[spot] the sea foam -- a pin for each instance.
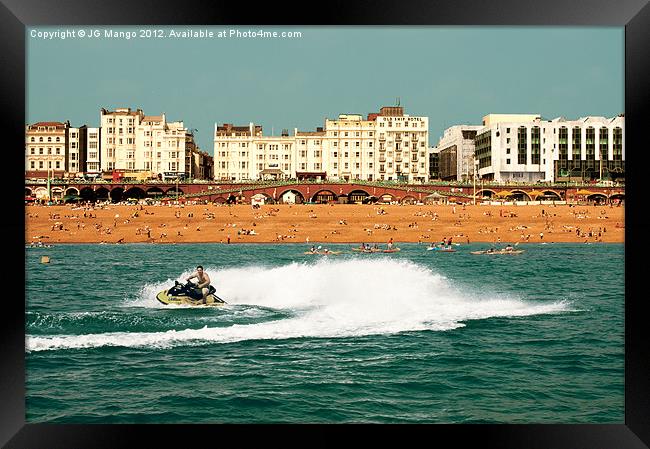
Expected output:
(328, 299)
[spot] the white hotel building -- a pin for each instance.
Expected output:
(526, 148)
(131, 140)
(93, 143)
(388, 145)
(455, 152)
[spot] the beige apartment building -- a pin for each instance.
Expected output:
(126, 140)
(133, 141)
(388, 145)
(46, 149)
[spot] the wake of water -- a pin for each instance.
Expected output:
(328, 299)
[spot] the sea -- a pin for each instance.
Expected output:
(415, 336)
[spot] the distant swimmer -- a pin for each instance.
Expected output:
(204, 281)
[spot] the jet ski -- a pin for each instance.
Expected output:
(188, 294)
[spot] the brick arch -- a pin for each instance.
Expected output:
(546, 192)
(358, 195)
(408, 199)
(102, 192)
(40, 192)
(72, 191)
(135, 192)
(527, 196)
(117, 194)
(481, 191)
(320, 196)
(155, 192)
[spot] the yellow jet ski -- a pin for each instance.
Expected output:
(188, 294)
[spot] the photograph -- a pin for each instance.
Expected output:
(382, 223)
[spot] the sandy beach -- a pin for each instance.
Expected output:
(339, 223)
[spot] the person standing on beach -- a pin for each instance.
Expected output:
(204, 281)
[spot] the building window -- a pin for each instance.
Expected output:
(521, 145)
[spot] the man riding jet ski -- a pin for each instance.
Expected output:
(190, 293)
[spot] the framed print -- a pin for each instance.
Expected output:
(365, 214)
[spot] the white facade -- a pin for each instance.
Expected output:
(526, 150)
(349, 148)
(131, 140)
(93, 144)
(243, 153)
(459, 140)
(118, 145)
(75, 152)
(160, 146)
(403, 141)
(385, 146)
(46, 148)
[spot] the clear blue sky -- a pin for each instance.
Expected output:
(453, 75)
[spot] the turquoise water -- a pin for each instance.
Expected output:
(411, 337)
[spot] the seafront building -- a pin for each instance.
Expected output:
(134, 141)
(47, 148)
(388, 145)
(127, 141)
(527, 148)
(455, 153)
(93, 145)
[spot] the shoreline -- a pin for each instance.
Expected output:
(323, 224)
(355, 244)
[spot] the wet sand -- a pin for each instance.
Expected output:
(339, 223)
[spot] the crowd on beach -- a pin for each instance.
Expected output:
(198, 221)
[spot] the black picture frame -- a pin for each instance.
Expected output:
(634, 15)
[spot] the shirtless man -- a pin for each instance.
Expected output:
(204, 281)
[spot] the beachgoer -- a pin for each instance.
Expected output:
(390, 243)
(204, 281)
